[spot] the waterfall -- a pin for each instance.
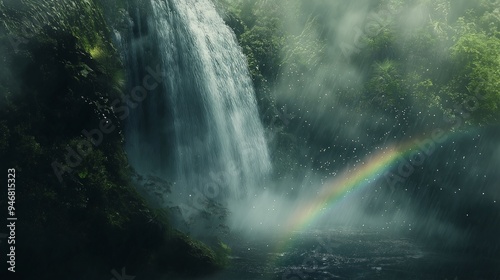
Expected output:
(201, 129)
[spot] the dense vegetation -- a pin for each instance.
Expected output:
(79, 215)
(400, 69)
(337, 80)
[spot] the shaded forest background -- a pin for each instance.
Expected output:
(390, 68)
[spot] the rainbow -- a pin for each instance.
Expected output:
(353, 179)
(359, 177)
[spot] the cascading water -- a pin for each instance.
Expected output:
(203, 121)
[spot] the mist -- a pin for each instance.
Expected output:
(351, 96)
(251, 139)
(322, 104)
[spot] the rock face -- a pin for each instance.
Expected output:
(79, 216)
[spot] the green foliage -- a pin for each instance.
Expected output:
(446, 63)
(222, 253)
(262, 49)
(386, 84)
(58, 81)
(425, 60)
(259, 32)
(477, 57)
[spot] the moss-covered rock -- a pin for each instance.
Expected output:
(79, 216)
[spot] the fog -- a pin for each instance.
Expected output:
(437, 200)
(341, 159)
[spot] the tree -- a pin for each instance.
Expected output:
(477, 57)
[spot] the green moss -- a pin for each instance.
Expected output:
(222, 253)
